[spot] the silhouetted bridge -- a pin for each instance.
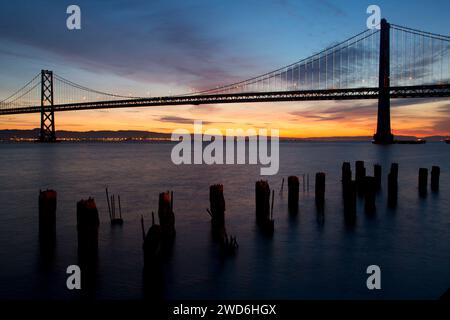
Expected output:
(390, 62)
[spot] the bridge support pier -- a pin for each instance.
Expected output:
(383, 134)
(47, 133)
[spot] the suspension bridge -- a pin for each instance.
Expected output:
(390, 62)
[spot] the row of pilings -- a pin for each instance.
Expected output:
(364, 186)
(159, 238)
(367, 187)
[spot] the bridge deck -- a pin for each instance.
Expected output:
(426, 91)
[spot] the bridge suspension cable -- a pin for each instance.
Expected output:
(68, 91)
(419, 57)
(323, 70)
(353, 63)
(26, 95)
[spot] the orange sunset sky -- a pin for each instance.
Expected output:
(418, 117)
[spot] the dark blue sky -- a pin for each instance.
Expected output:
(183, 43)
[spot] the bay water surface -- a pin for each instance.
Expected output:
(310, 256)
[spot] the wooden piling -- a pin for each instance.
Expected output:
(320, 189)
(268, 225)
(47, 215)
(293, 194)
(350, 202)
(377, 175)
(423, 180)
(393, 185)
(228, 244)
(346, 173)
(360, 173)
(346, 178)
(120, 208)
(166, 214)
(263, 212)
(262, 199)
(111, 200)
(271, 205)
(369, 194)
(153, 271)
(435, 172)
(109, 206)
(394, 171)
(152, 245)
(87, 226)
(217, 205)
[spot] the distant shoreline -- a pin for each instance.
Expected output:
(13, 135)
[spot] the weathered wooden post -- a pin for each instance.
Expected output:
(320, 189)
(263, 211)
(435, 172)
(47, 216)
(346, 178)
(293, 194)
(111, 200)
(87, 227)
(377, 175)
(153, 267)
(109, 206)
(369, 194)
(262, 198)
(360, 173)
(217, 205)
(119, 220)
(393, 185)
(228, 244)
(423, 181)
(350, 202)
(166, 214)
(346, 173)
(394, 171)
(152, 245)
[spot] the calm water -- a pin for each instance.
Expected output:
(309, 257)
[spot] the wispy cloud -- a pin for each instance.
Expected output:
(152, 43)
(182, 120)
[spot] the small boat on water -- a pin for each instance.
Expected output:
(447, 141)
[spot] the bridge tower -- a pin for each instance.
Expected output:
(383, 134)
(47, 133)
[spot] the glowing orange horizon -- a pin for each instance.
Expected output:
(295, 120)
